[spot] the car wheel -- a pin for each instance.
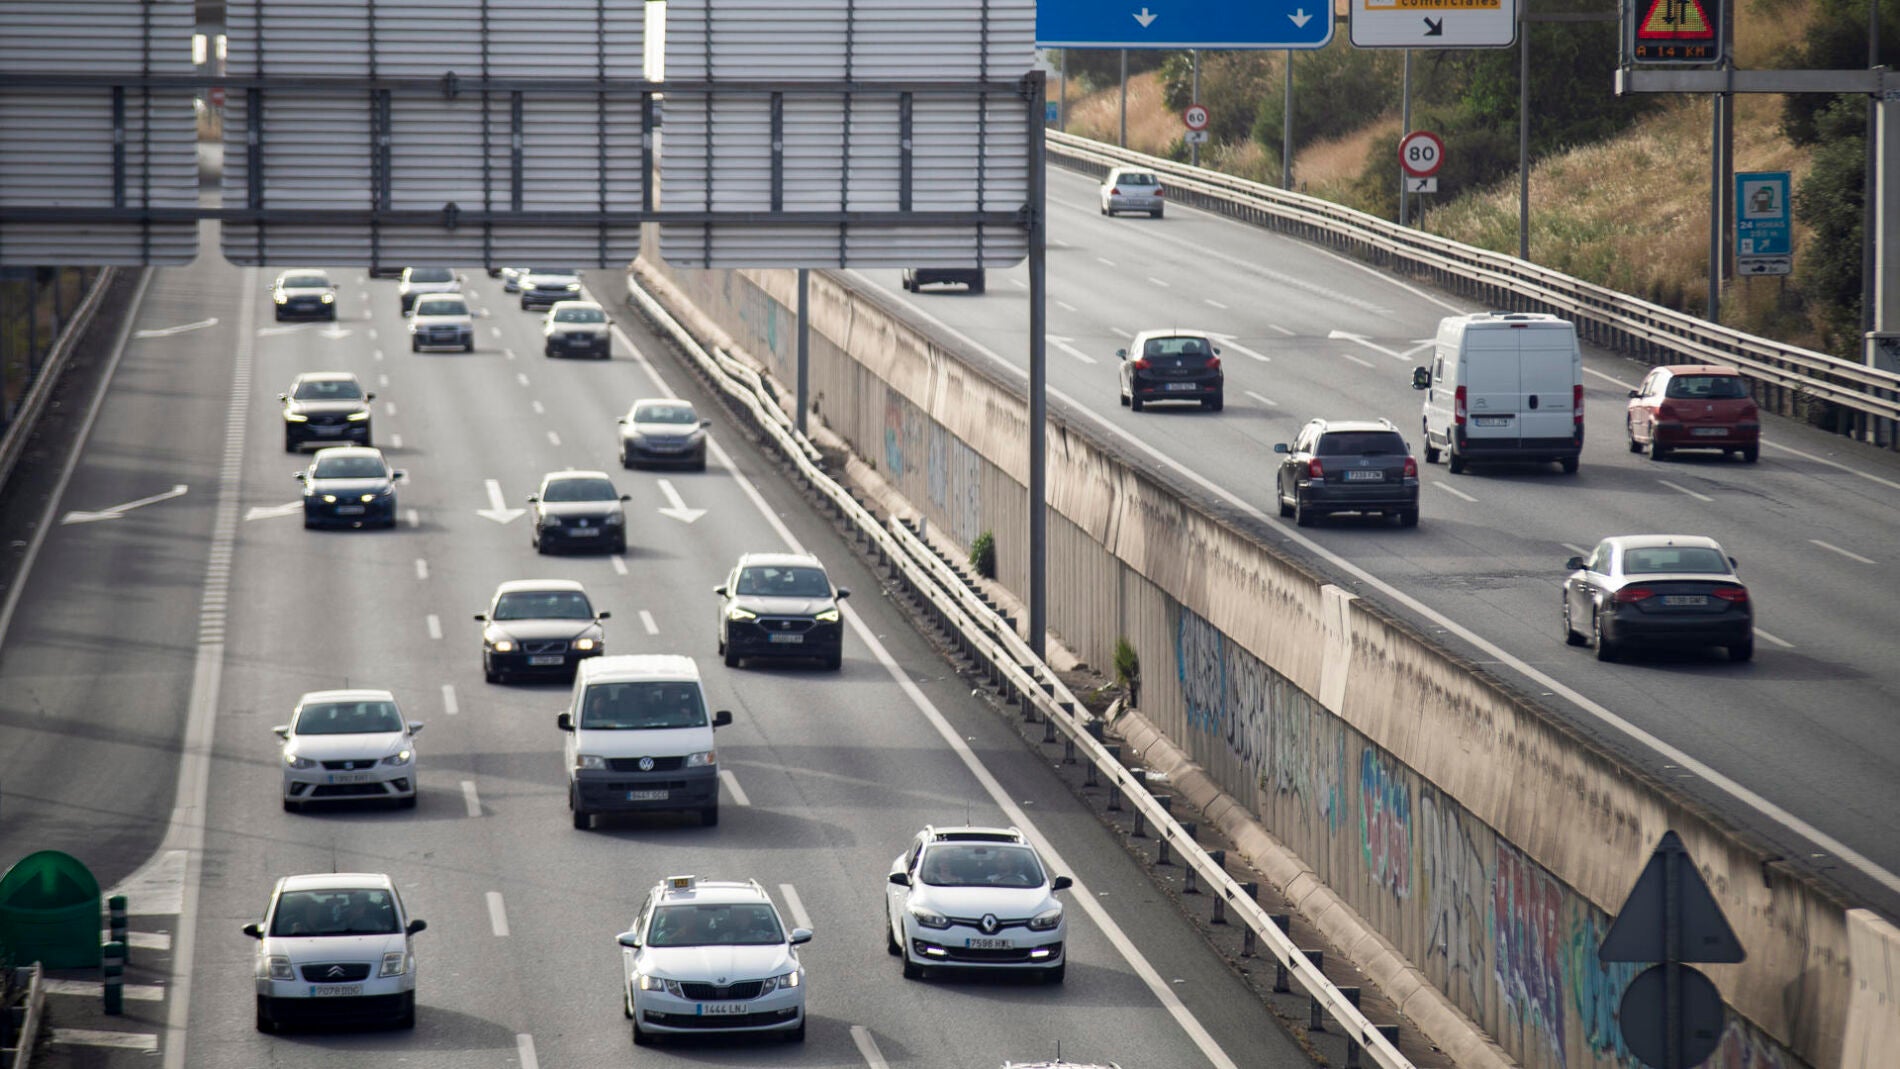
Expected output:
(1657, 450)
(1123, 398)
(700, 464)
(619, 546)
(468, 346)
(1303, 514)
(332, 316)
(291, 445)
(583, 820)
(1408, 518)
(292, 807)
(265, 1022)
(407, 1018)
(1431, 451)
(280, 315)
(309, 524)
(709, 816)
(1214, 403)
(1061, 972)
(1742, 651)
(415, 346)
(890, 940)
(1570, 464)
(796, 1035)
(548, 351)
(977, 286)
(1751, 454)
(1571, 637)
(407, 801)
(1134, 402)
(1156, 213)
(489, 674)
(524, 304)
(1102, 208)
(1455, 462)
(732, 656)
(834, 661)
(1629, 429)
(626, 1002)
(641, 1039)
(912, 970)
(625, 460)
(1606, 650)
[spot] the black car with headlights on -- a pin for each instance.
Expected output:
(780, 605)
(539, 627)
(304, 293)
(325, 406)
(1347, 465)
(577, 509)
(350, 486)
(663, 431)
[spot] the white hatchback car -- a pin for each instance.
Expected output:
(577, 328)
(1132, 189)
(712, 955)
(975, 898)
(332, 947)
(348, 745)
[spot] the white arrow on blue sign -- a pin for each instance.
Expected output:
(1294, 24)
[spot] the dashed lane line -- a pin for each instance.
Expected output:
(1446, 487)
(796, 905)
(646, 618)
(449, 705)
(434, 623)
(470, 800)
(732, 787)
(1832, 548)
(497, 915)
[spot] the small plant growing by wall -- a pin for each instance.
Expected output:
(1128, 669)
(983, 555)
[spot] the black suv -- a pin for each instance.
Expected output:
(577, 508)
(780, 605)
(1348, 465)
(916, 278)
(329, 407)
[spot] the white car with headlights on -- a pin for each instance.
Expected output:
(712, 956)
(975, 898)
(348, 745)
(335, 947)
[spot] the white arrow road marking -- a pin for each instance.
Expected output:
(117, 511)
(1782, 642)
(271, 512)
(166, 332)
(1146, 18)
(1340, 335)
(1062, 342)
(676, 507)
(1227, 342)
(497, 509)
(266, 332)
(335, 333)
(1300, 17)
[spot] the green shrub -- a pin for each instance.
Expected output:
(983, 555)
(1127, 665)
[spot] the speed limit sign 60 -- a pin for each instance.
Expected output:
(1421, 153)
(1195, 116)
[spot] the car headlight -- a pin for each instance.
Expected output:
(400, 757)
(928, 918)
(573, 286)
(395, 963)
(329, 298)
(655, 983)
(329, 499)
(502, 645)
(1045, 922)
(358, 417)
(550, 521)
(590, 762)
(296, 417)
(736, 613)
(702, 760)
(614, 519)
(585, 644)
(828, 616)
(294, 761)
(374, 496)
(276, 967)
(280, 298)
(783, 981)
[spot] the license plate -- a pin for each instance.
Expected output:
(987, 944)
(1492, 421)
(646, 796)
(1183, 386)
(791, 639)
(335, 990)
(1685, 599)
(1710, 432)
(349, 510)
(1365, 476)
(328, 430)
(585, 532)
(724, 1009)
(352, 777)
(578, 342)
(548, 658)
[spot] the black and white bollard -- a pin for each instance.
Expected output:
(115, 920)
(112, 968)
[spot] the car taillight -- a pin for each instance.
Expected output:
(1411, 468)
(1213, 363)
(1458, 407)
(1631, 594)
(1142, 364)
(1115, 192)
(1666, 411)
(1750, 411)
(1736, 594)
(1576, 400)
(1159, 192)
(1314, 470)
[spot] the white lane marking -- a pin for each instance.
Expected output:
(1123, 332)
(115, 512)
(1019, 283)
(435, 626)
(378, 354)
(646, 619)
(395, 441)
(1227, 342)
(382, 379)
(1831, 547)
(470, 799)
(497, 916)
(389, 408)
(449, 704)
(1062, 343)
(676, 505)
(524, 1051)
(619, 562)
(1164, 284)
(415, 518)
(1277, 327)
(1105, 261)
(867, 1048)
(538, 409)
(496, 331)
(1065, 306)
(1782, 642)
(1673, 754)
(146, 1042)
(553, 438)
(135, 992)
(372, 334)
(422, 568)
(1268, 401)
(1212, 303)
(1446, 487)
(732, 787)
(1792, 451)
(166, 332)
(1612, 379)
(1578, 550)
(521, 378)
(509, 353)
(1356, 360)
(1680, 489)
(795, 905)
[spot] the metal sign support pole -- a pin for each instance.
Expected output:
(1286, 128)
(1405, 124)
(1194, 96)
(1715, 208)
(1062, 93)
(1885, 197)
(1039, 374)
(1672, 960)
(804, 347)
(1523, 140)
(1123, 142)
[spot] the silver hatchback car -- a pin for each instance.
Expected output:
(1131, 189)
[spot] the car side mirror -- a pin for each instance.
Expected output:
(398, 475)
(1636, 393)
(602, 615)
(283, 397)
(630, 940)
(622, 420)
(415, 726)
(369, 397)
(1216, 351)
(1573, 564)
(282, 731)
(722, 718)
(801, 936)
(1733, 563)
(564, 721)
(1421, 378)
(297, 475)
(900, 879)
(842, 593)
(720, 590)
(254, 930)
(626, 497)
(532, 498)
(705, 423)
(415, 926)
(1121, 354)
(1280, 447)
(1061, 883)
(482, 616)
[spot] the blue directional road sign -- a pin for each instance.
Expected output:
(1296, 24)
(1761, 214)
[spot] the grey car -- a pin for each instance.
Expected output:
(1132, 189)
(1338, 465)
(1657, 590)
(329, 407)
(544, 287)
(577, 328)
(663, 430)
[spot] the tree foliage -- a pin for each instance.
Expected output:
(1831, 200)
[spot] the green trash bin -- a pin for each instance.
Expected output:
(49, 911)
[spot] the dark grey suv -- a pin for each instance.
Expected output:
(1348, 465)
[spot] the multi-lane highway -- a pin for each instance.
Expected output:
(150, 652)
(1808, 729)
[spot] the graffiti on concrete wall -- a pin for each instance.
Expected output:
(1452, 861)
(1385, 822)
(1527, 918)
(926, 461)
(1198, 665)
(1596, 989)
(771, 330)
(1742, 1047)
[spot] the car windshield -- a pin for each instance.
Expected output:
(736, 924)
(350, 468)
(1708, 387)
(441, 308)
(665, 413)
(431, 274)
(779, 581)
(1653, 559)
(579, 490)
(335, 912)
(543, 605)
(328, 390)
(643, 705)
(348, 718)
(980, 865)
(1136, 178)
(1188, 347)
(1361, 444)
(543, 271)
(305, 282)
(579, 315)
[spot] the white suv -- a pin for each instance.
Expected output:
(974, 898)
(712, 955)
(335, 946)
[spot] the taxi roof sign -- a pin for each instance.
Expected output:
(680, 882)
(1674, 31)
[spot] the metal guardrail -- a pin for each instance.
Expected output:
(987, 637)
(1603, 316)
(41, 364)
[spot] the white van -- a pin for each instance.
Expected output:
(1504, 386)
(639, 737)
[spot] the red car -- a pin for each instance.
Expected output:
(1694, 406)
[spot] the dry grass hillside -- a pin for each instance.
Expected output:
(1631, 213)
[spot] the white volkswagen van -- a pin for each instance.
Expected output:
(1503, 386)
(639, 737)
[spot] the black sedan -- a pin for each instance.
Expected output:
(1338, 465)
(780, 605)
(1166, 365)
(350, 486)
(325, 406)
(1657, 590)
(539, 627)
(577, 509)
(304, 294)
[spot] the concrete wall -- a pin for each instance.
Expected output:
(1469, 829)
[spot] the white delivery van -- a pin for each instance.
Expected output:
(1503, 386)
(639, 737)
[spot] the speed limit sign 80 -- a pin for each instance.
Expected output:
(1421, 153)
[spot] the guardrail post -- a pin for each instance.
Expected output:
(1315, 1014)
(1220, 909)
(1068, 752)
(1162, 855)
(1115, 787)
(1090, 778)
(115, 912)
(112, 968)
(1352, 1041)
(1097, 730)
(1220, 859)
(1141, 824)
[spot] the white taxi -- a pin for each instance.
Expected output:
(975, 898)
(712, 956)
